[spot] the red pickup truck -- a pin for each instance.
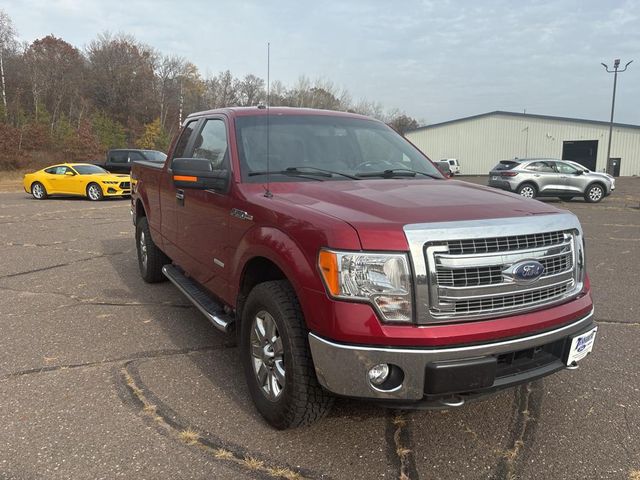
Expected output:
(347, 265)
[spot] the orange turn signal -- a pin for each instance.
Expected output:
(328, 262)
(184, 178)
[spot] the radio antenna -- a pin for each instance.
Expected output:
(267, 192)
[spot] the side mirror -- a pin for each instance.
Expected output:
(71, 174)
(197, 173)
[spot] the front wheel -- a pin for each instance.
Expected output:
(594, 193)
(94, 192)
(276, 359)
(38, 191)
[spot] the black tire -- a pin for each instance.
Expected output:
(302, 400)
(151, 268)
(594, 193)
(94, 192)
(528, 190)
(39, 191)
(566, 198)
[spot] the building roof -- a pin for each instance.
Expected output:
(523, 115)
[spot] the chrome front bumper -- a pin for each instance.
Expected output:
(343, 369)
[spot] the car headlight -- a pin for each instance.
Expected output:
(382, 279)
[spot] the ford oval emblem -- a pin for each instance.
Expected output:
(527, 271)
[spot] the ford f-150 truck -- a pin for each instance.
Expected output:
(348, 266)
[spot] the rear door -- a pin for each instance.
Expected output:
(203, 219)
(118, 161)
(545, 176)
(172, 198)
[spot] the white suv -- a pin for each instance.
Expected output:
(454, 165)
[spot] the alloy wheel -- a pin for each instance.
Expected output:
(527, 192)
(267, 354)
(143, 250)
(595, 193)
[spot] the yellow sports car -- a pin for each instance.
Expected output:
(84, 179)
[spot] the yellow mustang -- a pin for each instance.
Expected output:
(84, 179)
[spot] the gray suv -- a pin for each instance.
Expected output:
(548, 177)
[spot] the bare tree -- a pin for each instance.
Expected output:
(250, 90)
(7, 43)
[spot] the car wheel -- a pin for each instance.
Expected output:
(276, 358)
(566, 198)
(38, 191)
(527, 190)
(594, 193)
(150, 258)
(94, 192)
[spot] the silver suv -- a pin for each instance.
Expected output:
(548, 177)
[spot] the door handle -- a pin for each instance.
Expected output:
(180, 197)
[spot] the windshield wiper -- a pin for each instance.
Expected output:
(293, 173)
(322, 170)
(395, 172)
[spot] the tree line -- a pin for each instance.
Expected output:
(61, 103)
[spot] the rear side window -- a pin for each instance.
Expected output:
(135, 156)
(506, 165)
(183, 141)
(211, 143)
(541, 167)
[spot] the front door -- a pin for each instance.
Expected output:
(203, 220)
(572, 180)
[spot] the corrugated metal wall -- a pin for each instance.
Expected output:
(481, 142)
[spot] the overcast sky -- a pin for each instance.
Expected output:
(435, 60)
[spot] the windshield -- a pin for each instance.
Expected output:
(88, 169)
(154, 155)
(339, 148)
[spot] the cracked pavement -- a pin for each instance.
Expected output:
(104, 376)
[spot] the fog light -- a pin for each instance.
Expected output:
(378, 374)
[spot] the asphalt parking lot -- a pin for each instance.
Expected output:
(104, 376)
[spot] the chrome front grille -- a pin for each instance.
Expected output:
(464, 270)
(505, 244)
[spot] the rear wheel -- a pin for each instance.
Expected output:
(276, 359)
(594, 193)
(38, 191)
(150, 258)
(94, 192)
(527, 190)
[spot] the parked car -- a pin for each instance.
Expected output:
(120, 160)
(83, 179)
(444, 167)
(611, 178)
(548, 177)
(347, 266)
(454, 165)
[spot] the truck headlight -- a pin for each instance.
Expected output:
(382, 279)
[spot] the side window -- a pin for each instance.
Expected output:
(51, 171)
(60, 170)
(121, 156)
(211, 143)
(540, 167)
(135, 156)
(183, 141)
(565, 168)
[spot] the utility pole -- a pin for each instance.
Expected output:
(615, 71)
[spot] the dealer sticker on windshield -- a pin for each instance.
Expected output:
(581, 346)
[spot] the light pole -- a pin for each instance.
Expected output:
(615, 71)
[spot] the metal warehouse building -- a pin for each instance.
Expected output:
(480, 141)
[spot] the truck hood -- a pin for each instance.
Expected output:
(378, 209)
